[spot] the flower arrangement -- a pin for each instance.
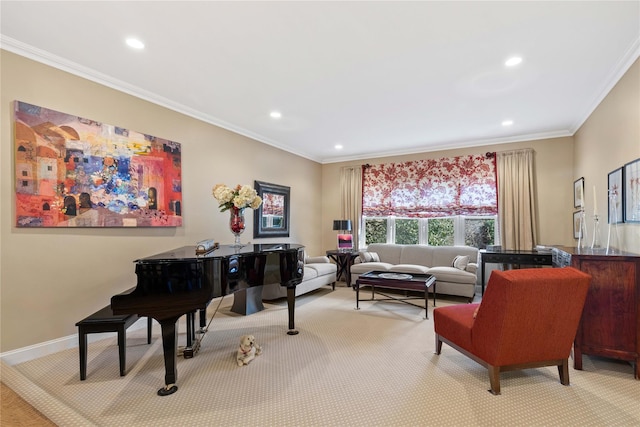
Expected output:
(240, 197)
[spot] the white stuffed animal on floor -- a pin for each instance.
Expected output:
(248, 350)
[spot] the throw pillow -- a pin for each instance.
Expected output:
(369, 257)
(460, 262)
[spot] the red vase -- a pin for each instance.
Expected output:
(236, 223)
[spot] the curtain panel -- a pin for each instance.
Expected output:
(464, 185)
(351, 198)
(518, 208)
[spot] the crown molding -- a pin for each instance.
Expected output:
(44, 57)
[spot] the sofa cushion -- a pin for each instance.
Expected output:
(321, 268)
(369, 257)
(388, 252)
(444, 255)
(417, 255)
(409, 268)
(472, 267)
(309, 273)
(365, 267)
(453, 275)
(317, 259)
(460, 262)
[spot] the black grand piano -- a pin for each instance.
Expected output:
(178, 282)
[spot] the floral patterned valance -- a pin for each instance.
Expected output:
(464, 185)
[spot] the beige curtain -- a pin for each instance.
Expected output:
(516, 200)
(351, 198)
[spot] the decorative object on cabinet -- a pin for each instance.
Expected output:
(272, 218)
(595, 243)
(615, 196)
(76, 172)
(631, 191)
(610, 323)
(578, 193)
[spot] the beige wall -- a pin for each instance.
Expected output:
(553, 163)
(51, 278)
(607, 140)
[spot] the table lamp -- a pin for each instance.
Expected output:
(345, 240)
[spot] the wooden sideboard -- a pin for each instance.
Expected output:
(610, 323)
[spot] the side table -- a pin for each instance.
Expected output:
(505, 256)
(344, 261)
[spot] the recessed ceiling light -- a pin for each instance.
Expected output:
(338, 147)
(513, 61)
(135, 43)
(507, 122)
(275, 114)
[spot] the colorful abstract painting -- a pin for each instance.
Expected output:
(75, 172)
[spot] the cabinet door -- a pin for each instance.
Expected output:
(609, 317)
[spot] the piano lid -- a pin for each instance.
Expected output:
(189, 252)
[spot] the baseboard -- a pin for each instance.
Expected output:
(35, 351)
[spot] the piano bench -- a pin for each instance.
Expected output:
(104, 320)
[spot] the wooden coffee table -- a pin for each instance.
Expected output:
(401, 281)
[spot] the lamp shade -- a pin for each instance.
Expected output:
(342, 224)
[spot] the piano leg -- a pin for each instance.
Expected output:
(191, 333)
(291, 305)
(193, 342)
(170, 350)
(203, 319)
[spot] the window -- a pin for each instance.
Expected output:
(441, 232)
(459, 230)
(407, 231)
(375, 230)
(438, 202)
(479, 232)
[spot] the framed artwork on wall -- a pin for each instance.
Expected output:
(631, 191)
(578, 193)
(272, 217)
(615, 196)
(576, 225)
(76, 172)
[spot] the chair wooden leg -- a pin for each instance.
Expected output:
(494, 379)
(563, 371)
(438, 344)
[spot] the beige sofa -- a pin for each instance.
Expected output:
(318, 272)
(460, 280)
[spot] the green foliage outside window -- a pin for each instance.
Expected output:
(407, 231)
(479, 232)
(440, 232)
(375, 230)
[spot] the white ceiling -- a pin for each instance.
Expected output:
(379, 78)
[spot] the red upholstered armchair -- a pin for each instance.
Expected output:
(528, 318)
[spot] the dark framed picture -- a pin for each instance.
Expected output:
(631, 191)
(576, 225)
(271, 219)
(578, 193)
(615, 196)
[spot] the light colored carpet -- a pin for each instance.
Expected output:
(371, 367)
